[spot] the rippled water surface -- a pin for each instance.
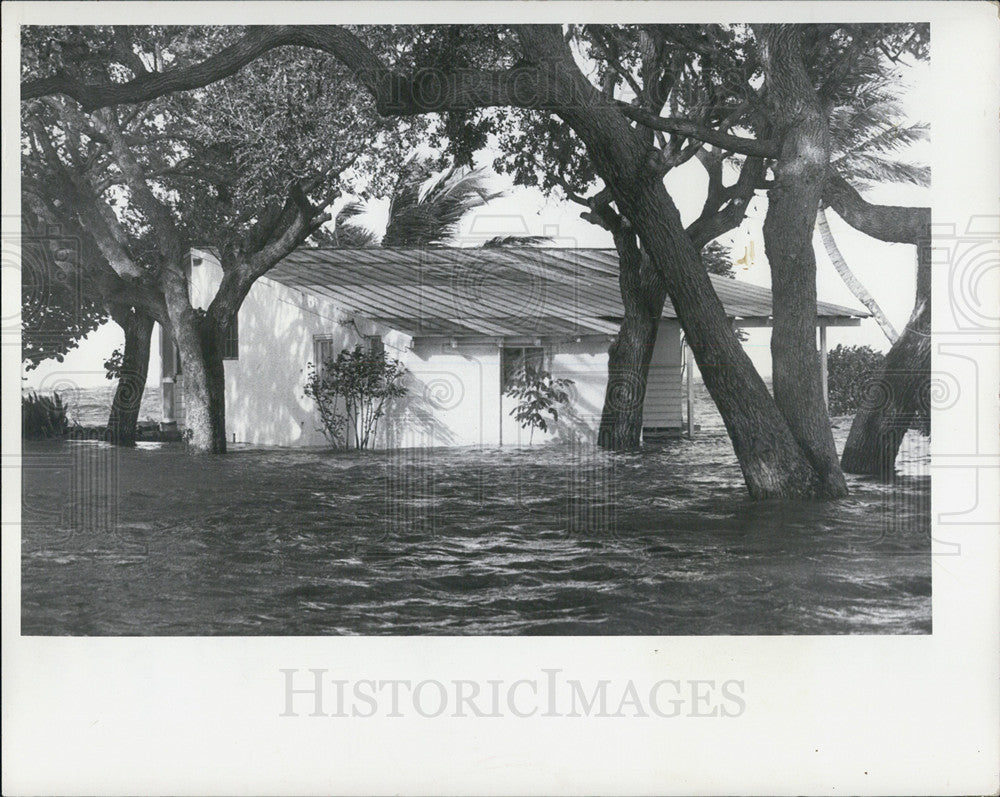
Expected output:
(548, 540)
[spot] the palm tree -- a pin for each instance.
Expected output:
(866, 143)
(426, 208)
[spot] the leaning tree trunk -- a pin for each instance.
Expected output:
(200, 346)
(124, 416)
(772, 463)
(855, 285)
(643, 294)
(792, 205)
(899, 392)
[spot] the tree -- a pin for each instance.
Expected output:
(866, 121)
(73, 292)
(426, 206)
(143, 186)
(901, 388)
(57, 311)
(131, 371)
(869, 133)
(657, 67)
(799, 123)
(534, 66)
(861, 293)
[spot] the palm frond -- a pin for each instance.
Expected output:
(429, 210)
(871, 169)
(868, 134)
(349, 232)
(888, 140)
(353, 236)
(501, 241)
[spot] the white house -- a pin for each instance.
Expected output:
(456, 319)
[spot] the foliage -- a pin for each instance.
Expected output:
(351, 391)
(718, 259)
(43, 416)
(537, 394)
(113, 365)
(426, 206)
(230, 162)
(506, 241)
(869, 134)
(57, 308)
(850, 371)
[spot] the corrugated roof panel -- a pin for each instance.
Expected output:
(518, 291)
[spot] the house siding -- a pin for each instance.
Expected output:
(662, 408)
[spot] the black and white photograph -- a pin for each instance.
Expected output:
(412, 328)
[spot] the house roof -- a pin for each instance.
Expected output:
(495, 292)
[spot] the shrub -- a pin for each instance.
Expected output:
(537, 393)
(43, 416)
(350, 392)
(850, 369)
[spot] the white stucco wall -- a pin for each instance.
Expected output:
(278, 325)
(453, 391)
(454, 396)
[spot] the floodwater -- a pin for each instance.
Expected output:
(543, 540)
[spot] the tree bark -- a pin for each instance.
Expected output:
(138, 329)
(899, 393)
(855, 285)
(772, 463)
(902, 388)
(792, 205)
(643, 294)
(199, 343)
(773, 466)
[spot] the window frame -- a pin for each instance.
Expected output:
(231, 343)
(506, 351)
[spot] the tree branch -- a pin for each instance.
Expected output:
(726, 209)
(890, 223)
(687, 127)
(159, 216)
(394, 93)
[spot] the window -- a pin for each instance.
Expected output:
(514, 358)
(376, 348)
(323, 351)
(231, 345)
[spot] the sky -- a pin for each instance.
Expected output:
(887, 270)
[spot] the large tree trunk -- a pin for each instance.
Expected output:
(138, 329)
(855, 285)
(199, 343)
(772, 463)
(792, 205)
(900, 391)
(643, 294)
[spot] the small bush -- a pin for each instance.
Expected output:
(350, 392)
(43, 416)
(536, 393)
(850, 369)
